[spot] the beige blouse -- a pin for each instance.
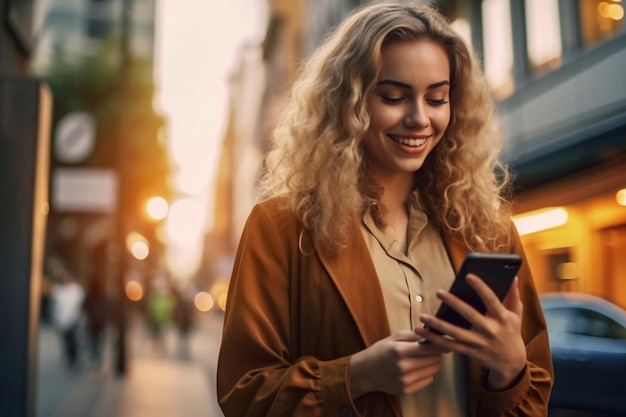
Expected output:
(409, 283)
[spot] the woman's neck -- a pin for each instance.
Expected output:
(395, 195)
(397, 190)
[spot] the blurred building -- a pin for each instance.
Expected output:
(556, 68)
(107, 158)
(76, 28)
(239, 166)
(72, 31)
(563, 112)
(265, 72)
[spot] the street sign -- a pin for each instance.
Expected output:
(80, 190)
(75, 137)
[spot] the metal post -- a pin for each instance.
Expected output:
(121, 359)
(24, 153)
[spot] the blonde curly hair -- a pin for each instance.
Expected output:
(317, 162)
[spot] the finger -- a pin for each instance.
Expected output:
(420, 368)
(489, 298)
(460, 306)
(425, 348)
(418, 385)
(434, 326)
(464, 344)
(420, 377)
(512, 301)
(428, 337)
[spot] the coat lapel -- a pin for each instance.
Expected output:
(353, 272)
(354, 275)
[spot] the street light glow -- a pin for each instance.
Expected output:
(203, 301)
(537, 221)
(157, 208)
(620, 196)
(140, 250)
(134, 291)
(137, 245)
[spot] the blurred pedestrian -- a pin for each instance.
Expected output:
(383, 175)
(160, 304)
(97, 310)
(184, 319)
(66, 305)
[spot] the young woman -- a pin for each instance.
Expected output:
(382, 177)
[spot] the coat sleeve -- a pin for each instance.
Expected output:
(257, 375)
(530, 396)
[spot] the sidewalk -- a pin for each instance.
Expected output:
(158, 382)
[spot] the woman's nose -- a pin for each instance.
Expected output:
(416, 116)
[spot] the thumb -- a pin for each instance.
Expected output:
(404, 336)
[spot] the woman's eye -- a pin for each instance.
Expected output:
(392, 100)
(437, 102)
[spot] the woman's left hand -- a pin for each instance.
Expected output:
(494, 340)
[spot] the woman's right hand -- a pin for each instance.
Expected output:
(398, 365)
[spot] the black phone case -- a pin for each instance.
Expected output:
(497, 270)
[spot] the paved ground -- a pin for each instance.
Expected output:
(163, 379)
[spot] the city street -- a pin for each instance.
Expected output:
(163, 379)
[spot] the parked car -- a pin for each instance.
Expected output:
(588, 342)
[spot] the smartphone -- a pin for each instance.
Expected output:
(495, 269)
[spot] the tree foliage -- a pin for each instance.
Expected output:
(121, 101)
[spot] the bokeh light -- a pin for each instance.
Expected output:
(140, 250)
(203, 301)
(134, 291)
(221, 302)
(620, 196)
(137, 245)
(157, 208)
(540, 220)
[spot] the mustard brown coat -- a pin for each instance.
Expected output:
(296, 313)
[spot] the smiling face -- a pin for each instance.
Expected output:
(409, 108)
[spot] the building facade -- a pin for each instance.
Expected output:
(563, 114)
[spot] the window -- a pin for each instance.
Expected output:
(98, 24)
(600, 20)
(592, 323)
(584, 322)
(543, 34)
(498, 46)
(557, 320)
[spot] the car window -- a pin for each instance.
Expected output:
(558, 320)
(585, 322)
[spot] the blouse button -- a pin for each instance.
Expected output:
(419, 298)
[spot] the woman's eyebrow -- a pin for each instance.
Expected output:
(405, 86)
(395, 83)
(439, 84)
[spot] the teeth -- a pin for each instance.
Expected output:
(408, 142)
